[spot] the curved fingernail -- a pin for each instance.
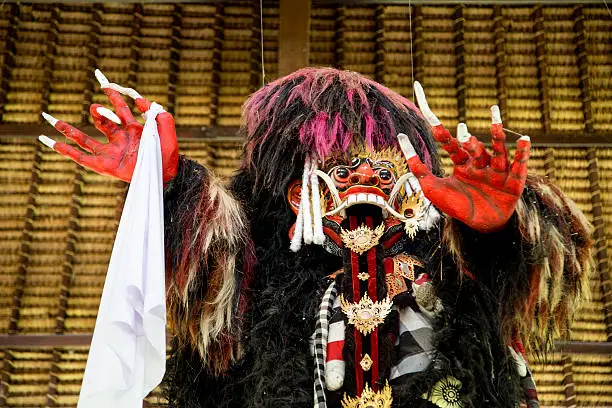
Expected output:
(424, 106)
(495, 115)
(108, 114)
(47, 141)
(525, 138)
(52, 121)
(406, 146)
(125, 91)
(101, 78)
(463, 135)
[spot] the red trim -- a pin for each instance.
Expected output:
(334, 350)
(394, 238)
(372, 293)
(333, 236)
(356, 299)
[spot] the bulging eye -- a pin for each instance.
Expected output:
(385, 175)
(341, 174)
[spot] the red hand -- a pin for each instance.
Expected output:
(118, 157)
(483, 191)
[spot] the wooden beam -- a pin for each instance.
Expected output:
(344, 2)
(500, 59)
(540, 42)
(583, 68)
(9, 54)
(459, 48)
(293, 36)
(601, 248)
(231, 134)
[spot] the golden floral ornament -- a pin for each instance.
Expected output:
(366, 315)
(370, 399)
(363, 276)
(395, 285)
(366, 362)
(391, 155)
(362, 238)
(446, 393)
(413, 209)
(403, 265)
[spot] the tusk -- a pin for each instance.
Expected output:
(394, 213)
(337, 209)
(332, 187)
(424, 106)
(398, 186)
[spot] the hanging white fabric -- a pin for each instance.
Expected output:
(127, 358)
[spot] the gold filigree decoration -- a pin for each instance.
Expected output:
(412, 208)
(370, 399)
(446, 393)
(403, 265)
(391, 155)
(395, 285)
(366, 315)
(362, 238)
(366, 362)
(363, 276)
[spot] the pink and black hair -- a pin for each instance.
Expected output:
(318, 112)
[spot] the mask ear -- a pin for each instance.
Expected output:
(294, 195)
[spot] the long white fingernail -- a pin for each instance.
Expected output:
(47, 141)
(125, 91)
(424, 106)
(101, 78)
(52, 121)
(495, 115)
(463, 135)
(108, 114)
(406, 146)
(525, 138)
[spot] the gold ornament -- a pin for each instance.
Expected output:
(391, 156)
(366, 315)
(363, 276)
(362, 238)
(413, 209)
(403, 265)
(446, 393)
(395, 285)
(370, 399)
(366, 362)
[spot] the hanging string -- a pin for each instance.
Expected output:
(606, 4)
(411, 54)
(261, 41)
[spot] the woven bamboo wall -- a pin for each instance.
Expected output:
(549, 68)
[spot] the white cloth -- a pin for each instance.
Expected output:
(127, 358)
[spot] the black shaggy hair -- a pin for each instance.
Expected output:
(315, 112)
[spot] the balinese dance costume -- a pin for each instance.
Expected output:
(338, 268)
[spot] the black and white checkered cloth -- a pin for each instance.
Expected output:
(413, 347)
(320, 344)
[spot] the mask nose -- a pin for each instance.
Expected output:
(365, 176)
